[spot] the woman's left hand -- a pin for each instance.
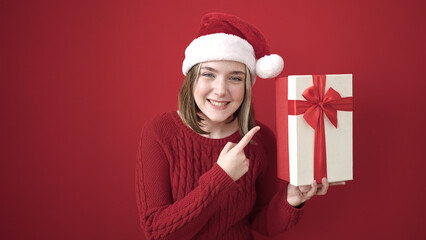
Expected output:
(299, 195)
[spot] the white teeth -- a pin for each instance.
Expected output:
(219, 104)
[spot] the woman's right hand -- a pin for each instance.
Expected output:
(232, 158)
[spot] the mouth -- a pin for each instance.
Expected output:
(218, 103)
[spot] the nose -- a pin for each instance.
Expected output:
(220, 86)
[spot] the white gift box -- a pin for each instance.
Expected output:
(296, 138)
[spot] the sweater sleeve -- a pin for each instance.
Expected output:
(160, 217)
(272, 214)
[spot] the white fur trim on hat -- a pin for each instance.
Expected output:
(216, 47)
(269, 66)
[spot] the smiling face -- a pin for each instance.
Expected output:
(219, 90)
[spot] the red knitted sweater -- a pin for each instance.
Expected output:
(183, 194)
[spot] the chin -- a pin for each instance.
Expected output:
(218, 118)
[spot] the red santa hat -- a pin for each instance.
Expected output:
(226, 37)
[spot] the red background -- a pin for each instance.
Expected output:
(80, 78)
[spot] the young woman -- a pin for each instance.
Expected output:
(208, 170)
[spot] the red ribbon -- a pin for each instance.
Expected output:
(313, 110)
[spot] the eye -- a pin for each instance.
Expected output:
(207, 74)
(238, 79)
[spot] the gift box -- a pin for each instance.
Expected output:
(314, 128)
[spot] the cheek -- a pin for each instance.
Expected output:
(200, 89)
(238, 93)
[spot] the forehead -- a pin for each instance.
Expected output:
(225, 66)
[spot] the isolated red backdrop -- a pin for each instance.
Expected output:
(80, 78)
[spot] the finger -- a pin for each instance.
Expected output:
(247, 138)
(313, 190)
(305, 188)
(292, 187)
(228, 146)
(247, 163)
(324, 187)
(337, 183)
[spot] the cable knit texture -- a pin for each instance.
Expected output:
(183, 194)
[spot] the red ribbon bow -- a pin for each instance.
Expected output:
(313, 110)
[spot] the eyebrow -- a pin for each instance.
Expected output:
(214, 70)
(238, 72)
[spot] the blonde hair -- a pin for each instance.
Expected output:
(188, 109)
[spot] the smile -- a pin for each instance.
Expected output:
(218, 104)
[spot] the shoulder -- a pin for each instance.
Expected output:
(162, 126)
(265, 134)
(265, 142)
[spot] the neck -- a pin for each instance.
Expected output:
(219, 129)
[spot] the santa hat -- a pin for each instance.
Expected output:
(226, 37)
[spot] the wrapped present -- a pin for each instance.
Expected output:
(314, 128)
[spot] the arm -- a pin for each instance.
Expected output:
(272, 214)
(160, 217)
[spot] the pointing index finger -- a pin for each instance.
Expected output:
(247, 138)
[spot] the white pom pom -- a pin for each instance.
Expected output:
(269, 66)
